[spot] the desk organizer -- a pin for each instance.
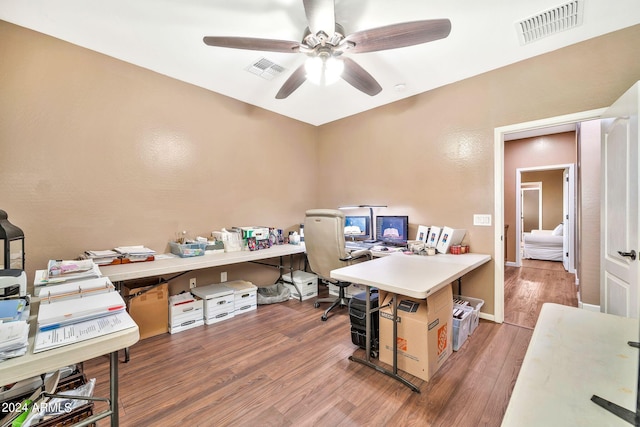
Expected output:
(187, 249)
(474, 303)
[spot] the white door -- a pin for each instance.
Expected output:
(566, 223)
(619, 231)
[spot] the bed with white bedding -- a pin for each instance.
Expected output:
(544, 244)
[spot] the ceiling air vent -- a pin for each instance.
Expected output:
(265, 69)
(552, 21)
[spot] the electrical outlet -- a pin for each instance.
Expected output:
(192, 283)
(223, 276)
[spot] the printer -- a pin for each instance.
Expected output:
(13, 283)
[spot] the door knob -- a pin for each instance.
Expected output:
(631, 254)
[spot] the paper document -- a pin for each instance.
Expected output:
(66, 271)
(82, 331)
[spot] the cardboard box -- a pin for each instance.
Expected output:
(425, 332)
(149, 308)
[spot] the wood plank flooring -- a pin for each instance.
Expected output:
(536, 282)
(282, 366)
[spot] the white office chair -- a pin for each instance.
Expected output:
(325, 247)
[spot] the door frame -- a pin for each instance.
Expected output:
(498, 166)
(526, 186)
(569, 232)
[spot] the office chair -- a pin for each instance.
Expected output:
(325, 247)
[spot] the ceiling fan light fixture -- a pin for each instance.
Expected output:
(323, 70)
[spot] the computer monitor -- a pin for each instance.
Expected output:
(392, 229)
(357, 227)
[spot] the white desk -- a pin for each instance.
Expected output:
(411, 275)
(159, 267)
(34, 364)
(574, 354)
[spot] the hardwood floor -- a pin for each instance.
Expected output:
(536, 282)
(282, 366)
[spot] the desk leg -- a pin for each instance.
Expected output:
(115, 411)
(367, 360)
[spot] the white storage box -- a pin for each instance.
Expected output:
(349, 291)
(183, 306)
(461, 326)
(307, 284)
(190, 324)
(245, 295)
(450, 237)
(218, 302)
(185, 312)
(474, 303)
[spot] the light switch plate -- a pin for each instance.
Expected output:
(482, 219)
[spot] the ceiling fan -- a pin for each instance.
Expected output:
(325, 42)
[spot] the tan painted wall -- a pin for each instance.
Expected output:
(556, 149)
(588, 264)
(97, 153)
(552, 189)
(166, 156)
(432, 154)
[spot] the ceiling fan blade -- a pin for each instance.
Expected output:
(359, 78)
(293, 82)
(399, 35)
(321, 16)
(250, 43)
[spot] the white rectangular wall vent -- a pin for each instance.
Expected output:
(552, 21)
(265, 68)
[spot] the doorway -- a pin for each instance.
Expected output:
(499, 142)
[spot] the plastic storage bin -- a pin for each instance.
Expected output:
(461, 327)
(187, 249)
(476, 304)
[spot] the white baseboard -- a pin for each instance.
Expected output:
(511, 264)
(589, 307)
(486, 316)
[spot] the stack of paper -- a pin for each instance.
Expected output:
(103, 257)
(136, 253)
(62, 271)
(14, 339)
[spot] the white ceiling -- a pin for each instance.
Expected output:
(166, 36)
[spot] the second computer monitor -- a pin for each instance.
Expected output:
(392, 229)
(357, 227)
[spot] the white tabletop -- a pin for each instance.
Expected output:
(415, 276)
(137, 270)
(33, 364)
(574, 354)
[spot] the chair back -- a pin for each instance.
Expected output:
(324, 241)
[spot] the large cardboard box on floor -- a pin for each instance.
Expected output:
(148, 306)
(425, 332)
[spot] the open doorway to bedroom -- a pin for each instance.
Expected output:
(546, 206)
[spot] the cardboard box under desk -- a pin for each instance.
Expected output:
(148, 306)
(425, 332)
